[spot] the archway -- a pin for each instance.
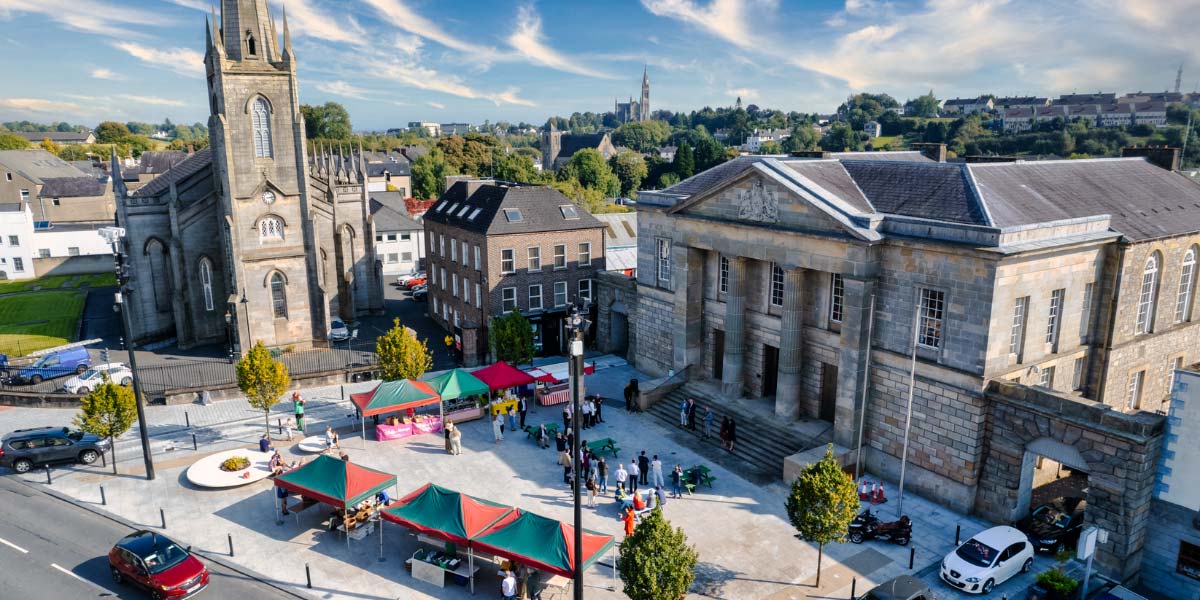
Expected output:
(619, 329)
(1050, 469)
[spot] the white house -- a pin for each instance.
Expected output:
(755, 141)
(16, 241)
(873, 129)
(966, 106)
(399, 240)
(65, 240)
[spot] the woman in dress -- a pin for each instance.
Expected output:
(498, 427)
(731, 435)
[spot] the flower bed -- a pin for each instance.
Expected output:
(234, 464)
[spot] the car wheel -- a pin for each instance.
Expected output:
(127, 381)
(22, 465)
(1025, 567)
(83, 390)
(80, 369)
(856, 537)
(118, 578)
(36, 379)
(88, 457)
(988, 585)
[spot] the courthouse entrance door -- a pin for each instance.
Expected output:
(829, 377)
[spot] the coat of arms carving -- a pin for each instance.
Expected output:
(758, 204)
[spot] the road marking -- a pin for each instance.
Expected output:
(102, 589)
(13, 546)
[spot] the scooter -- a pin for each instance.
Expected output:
(867, 526)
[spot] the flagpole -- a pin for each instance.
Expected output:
(912, 382)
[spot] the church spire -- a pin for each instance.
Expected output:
(288, 55)
(247, 30)
(117, 180)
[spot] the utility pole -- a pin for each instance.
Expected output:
(113, 236)
(578, 325)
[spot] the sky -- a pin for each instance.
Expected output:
(394, 61)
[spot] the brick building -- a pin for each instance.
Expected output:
(497, 247)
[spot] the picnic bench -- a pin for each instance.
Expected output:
(697, 475)
(602, 445)
(551, 430)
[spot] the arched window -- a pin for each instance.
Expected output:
(1148, 296)
(270, 229)
(160, 278)
(251, 45)
(261, 120)
(1187, 285)
(206, 283)
(279, 296)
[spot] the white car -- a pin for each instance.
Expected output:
(338, 332)
(404, 279)
(987, 560)
(90, 379)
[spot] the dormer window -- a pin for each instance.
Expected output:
(251, 45)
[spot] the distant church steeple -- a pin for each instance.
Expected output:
(644, 105)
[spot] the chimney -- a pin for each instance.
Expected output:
(1162, 156)
(935, 152)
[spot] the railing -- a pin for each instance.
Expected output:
(661, 388)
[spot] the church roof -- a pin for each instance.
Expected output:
(188, 167)
(574, 142)
(158, 162)
(502, 208)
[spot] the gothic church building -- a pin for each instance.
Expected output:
(249, 240)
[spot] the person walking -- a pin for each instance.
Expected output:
(512, 419)
(289, 427)
(635, 396)
(455, 440)
(656, 472)
(591, 490)
(523, 407)
(643, 468)
(725, 432)
(567, 416)
(677, 482)
(564, 461)
(446, 434)
(602, 474)
(629, 396)
(731, 435)
(298, 410)
(560, 442)
(498, 427)
(622, 476)
(634, 474)
(683, 410)
(691, 414)
(708, 421)
(628, 518)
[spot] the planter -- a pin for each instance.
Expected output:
(1040, 592)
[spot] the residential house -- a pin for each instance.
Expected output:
(495, 247)
(56, 190)
(755, 141)
(620, 242)
(16, 241)
(65, 138)
(1101, 98)
(667, 153)
(1010, 102)
(1172, 564)
(873, 129)
(399, 240)
(966, 106)
(455, 128)
(430, 129)
(1157, 97)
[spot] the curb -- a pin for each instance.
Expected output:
(207, 555)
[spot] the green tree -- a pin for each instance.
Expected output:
(839, 138)
(512, 338)
(685, 163)
(73, 152)
(429, 173)
(107, 411)
(587, 166)
(514, 166)
(804, 137)
(49, 146)
(708, 152)
(262, 379)
(12, 141)
(656, 562)
(630, 168)
(770, 147)
(471, 154)
(328, 121)
(643, 136)
(822, 504)
(401, 354)
(109, 132)
(140, 128)
(925, 106)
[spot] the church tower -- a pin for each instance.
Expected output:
(644, 105)
(260, 168)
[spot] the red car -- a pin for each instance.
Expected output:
(154, 562)
(415, 281)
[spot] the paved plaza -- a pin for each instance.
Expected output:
(747, 546)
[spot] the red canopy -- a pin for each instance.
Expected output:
(395, 396)
(502, 375)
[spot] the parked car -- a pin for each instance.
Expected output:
(420, 295)
(55, 364)
(404, 279)
(415, 281)
(160, 566)
(1056, 525)
(903, 587)
(987, 560)
(419, 288)
(338, 332)
(24, 449)
(98, 374)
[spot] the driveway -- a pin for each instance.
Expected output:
(399, 303)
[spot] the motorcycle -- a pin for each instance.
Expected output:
(867, 526)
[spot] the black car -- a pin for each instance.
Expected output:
(22, 449)
(903, 587)
(421, 295)
(1055, 526)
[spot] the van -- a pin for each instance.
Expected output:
(55, 364)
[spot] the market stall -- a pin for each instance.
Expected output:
(405, 395)
(458, 390)
(554, 382)
(349, 488)
(542, 543)
(503, 379)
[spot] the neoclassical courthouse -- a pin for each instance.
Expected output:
(780, 279)
(249, 238)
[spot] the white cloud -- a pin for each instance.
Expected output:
(341, 88)
(91, 17)
(746, 94)
(155, 100)
(184, 61)
(527, 40)
(437, 105)
(725, 19)
(39, 105)
(306, 20)
(196, 4)
(509, 96)
(102, 73)
(401, 16)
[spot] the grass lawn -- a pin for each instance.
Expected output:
(37, 320)
(59, 281)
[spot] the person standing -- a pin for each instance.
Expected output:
(599, 402)
(591, 490)
(298, 410)
(634, 474)
(602, 474)
(446, 434)
(560, 443)
(725, 431)
(498, 427)
(683, 410)
(567, 416)
(508, 586)
(628, 518)
(634, 395)
(643, 468)
(455, 440)
(523, 408)
(708, 421)
(691, 414)
(585, 410)
(512, 419)
(677, 481)
(731, 435)
(564, 461)
(656, 472)
(289, 426)
(543, 437)
(629, 396)
(622, 476)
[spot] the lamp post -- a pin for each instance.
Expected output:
(229, 333)
(113, 236)
(577, 323)
(246, 317)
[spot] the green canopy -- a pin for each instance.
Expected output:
(447, 514)
(543, 543)
(335, 482)
(457, 383)
(394, 396)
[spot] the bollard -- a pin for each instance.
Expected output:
(308, 576)
(280, 422)
(187, 420)
(957, 532)
(194, 442)
(229, 536)
(103, 500)
(912, 554)
(48, 481)
(853, 586)
(163, 515)
(103, 460)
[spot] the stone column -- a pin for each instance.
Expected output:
(791, 344)
(688, 280)
(852, 372)
(732, 381)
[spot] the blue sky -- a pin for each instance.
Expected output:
(394, 61)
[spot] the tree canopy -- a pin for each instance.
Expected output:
(588, 167)
(108, 412)
(643, 136)
(656, 562)
(109, 132)
(401, 354)
(630, 169)
(262, 379)
(329, 121)
(822, 503)
(512, 338)
(12, 141)
(429, 173)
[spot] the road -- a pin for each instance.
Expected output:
(50, 548)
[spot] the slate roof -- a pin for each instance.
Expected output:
(938, 191)
(190, 166)
(71, 187)
(36, 165)
(896, 155)
(832, 176)
(574, 142)
(377, 169)
(388, 219)
(539, 206)
(156, 163)
(1145, 201)
(705, 179)
(55, 136)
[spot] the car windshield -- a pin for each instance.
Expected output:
(164, 558)
(977, 553)
(75, 435)
(337, 324)
(90, 374)
(1053, 516)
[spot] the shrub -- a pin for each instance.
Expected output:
(1057, 581)
(235, 463)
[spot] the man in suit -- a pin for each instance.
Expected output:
(643, 468)
(522, 408)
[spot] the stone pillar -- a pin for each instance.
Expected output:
(791, 345)
(852, 373)
(688, 279)
(732, 381)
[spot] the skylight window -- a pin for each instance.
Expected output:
(464, 210)
(568, 211)
(453, 207)
(474, 213)
(513, 215)
(440, 207)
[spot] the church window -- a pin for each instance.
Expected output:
(1146, 300)
(270, 229)
(156, 255)
(261, 121)
(206, 283)
(279, 296)
(251, 45)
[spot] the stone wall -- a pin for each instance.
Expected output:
(654, 330)
(613, 290)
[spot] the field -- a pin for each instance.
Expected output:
(43, 313)
(59, 282)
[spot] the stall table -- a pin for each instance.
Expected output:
(552, 396)
(503, 406)
(384, 432)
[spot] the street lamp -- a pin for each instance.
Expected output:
(577, 323)
(229, 334)
(113, 236)
(246, 317)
